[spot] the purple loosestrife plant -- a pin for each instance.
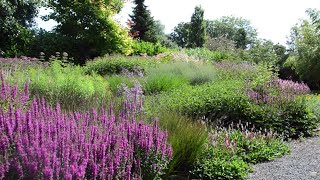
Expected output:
(10, 95)
(42, 142)
(276, 91)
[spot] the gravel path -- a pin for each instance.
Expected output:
(302, 164)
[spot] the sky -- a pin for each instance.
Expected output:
(273, 19)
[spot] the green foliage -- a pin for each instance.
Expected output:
(293, 119)
(16, 19)
(197, 26)
(115, 64)
(221, 166)
(147, 48)
(226, 101)
(90, 29)
(180, 34)
(219, 100)
(187, 139)
(222, 44)
(166, 77)
(116, 81)
(263, 52)
(207, 55)
(313, 104)
(229, 151)
(143, 24)
(257, 74)
(67, 85)
(236, 29)
(305, 42)
(156, 83)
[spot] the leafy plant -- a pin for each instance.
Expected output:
(147, 48)
(44, 142)
(116, 64)
(229, 152)
(66, 85)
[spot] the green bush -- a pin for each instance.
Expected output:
(116, 64)
(187, 139)
(257, 74)
(313, 104)
(207, 55)
(66, 85)
(225, 102)
(293, 118)
(147, 48)
(221, 101)
(229, 151)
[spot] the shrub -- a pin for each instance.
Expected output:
(66, 85)
(218, 103)
(225, 102)
(207, 55)
(43, 142)
(147, 48)
(229, 151)
(257, 74)
(313, 104)
(115, 64)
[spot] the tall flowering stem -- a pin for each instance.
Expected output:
(276, 91)
(42, 142)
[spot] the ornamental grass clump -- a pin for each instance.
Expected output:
(39, 141)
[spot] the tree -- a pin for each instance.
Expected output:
(197, 32)
(89, 28)
(221, 44)
(143, 23)
(16, 21)
(236, 29)
(305, 58)
(180, 34)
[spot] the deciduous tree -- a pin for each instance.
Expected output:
(16, 19)
(89, 26)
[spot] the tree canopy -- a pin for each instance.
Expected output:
(236, 29)
(16, 19)
(305, 46)
(89, 26)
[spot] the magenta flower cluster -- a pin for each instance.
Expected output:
(42, 142)
(289, 86)
(11, 94)
(276, 91)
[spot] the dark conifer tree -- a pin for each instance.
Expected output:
(143, 24)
